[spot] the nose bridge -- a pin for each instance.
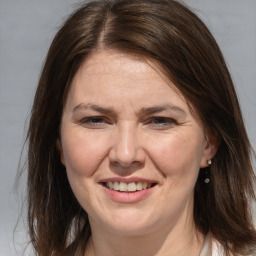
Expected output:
(127, 148)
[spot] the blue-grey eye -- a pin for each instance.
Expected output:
(161, 122)
(94, 122)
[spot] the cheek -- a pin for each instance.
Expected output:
(83, 154)
(177, 155)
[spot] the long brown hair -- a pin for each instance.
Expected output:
(172, 36)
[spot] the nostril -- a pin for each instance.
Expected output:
(123, 170)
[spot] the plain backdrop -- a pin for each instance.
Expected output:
(26, 30)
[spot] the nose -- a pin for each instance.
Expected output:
(127, 149)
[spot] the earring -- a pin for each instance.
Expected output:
(207, 179)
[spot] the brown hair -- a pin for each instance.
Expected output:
(171, 35)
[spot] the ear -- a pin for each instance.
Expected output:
(210, 149)
(59, 147)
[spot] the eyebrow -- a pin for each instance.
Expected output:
(143, 111)
(161, 108)
(95, 107)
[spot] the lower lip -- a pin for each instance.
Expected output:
(128, 197)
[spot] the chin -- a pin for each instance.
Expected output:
(130, 222)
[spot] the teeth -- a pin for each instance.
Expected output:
(128, 187)
(132, 186)
(139, 186)
(123, 186)
(116, 185)
(110, 185)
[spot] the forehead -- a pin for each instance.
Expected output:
(104, 61)
(104, 68)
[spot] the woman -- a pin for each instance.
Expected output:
(136, 140)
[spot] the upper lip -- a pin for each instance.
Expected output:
(128, 180)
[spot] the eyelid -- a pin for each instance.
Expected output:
(166, 122)
(89, 121)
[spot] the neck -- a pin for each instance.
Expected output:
(165, 241)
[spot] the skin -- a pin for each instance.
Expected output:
(124, 118)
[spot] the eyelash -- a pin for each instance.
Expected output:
(154, 122)
(161, 122)
(94, 121)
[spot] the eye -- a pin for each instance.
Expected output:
(94, 122)
(161, 122)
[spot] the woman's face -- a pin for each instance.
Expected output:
(131, 147)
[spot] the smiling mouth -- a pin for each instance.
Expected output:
(128, 187)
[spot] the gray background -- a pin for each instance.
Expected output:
(26, 29)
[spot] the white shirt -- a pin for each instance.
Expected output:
(211, 247)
